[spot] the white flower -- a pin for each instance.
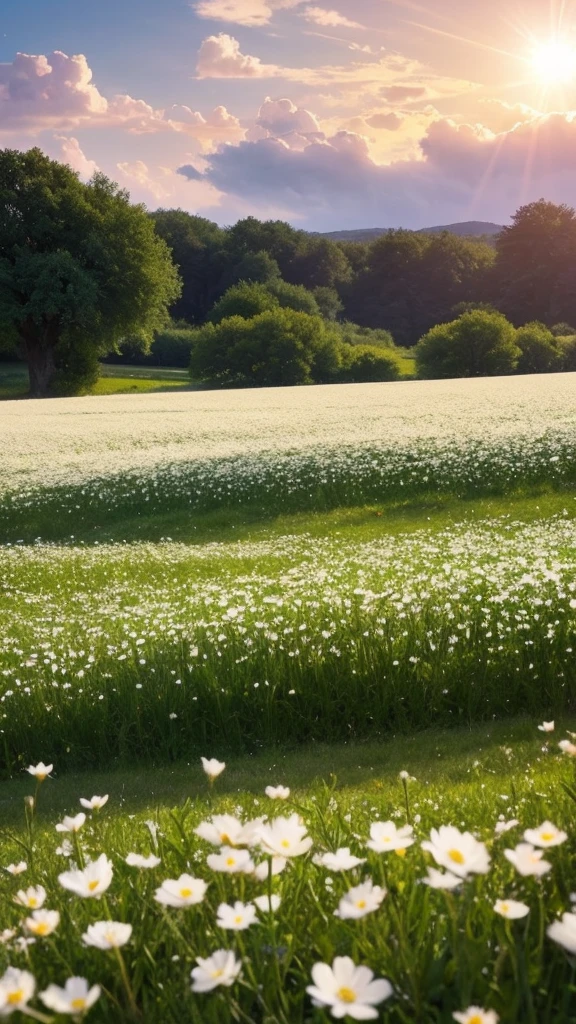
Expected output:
(348, 990)
(16, 990)
(40, 771)
(65, 849)
(222, 968)
(42, 922)
(277, 792)
(385, 836)
(511, 909)
(567, 747)
(342, 860)
(476, 1015)
(458, 851)
(231, 861)
(92, 880)
(527, 860)
(441, 879)
(226, 830)
(545, 836)
(96, 803)
(75, 998)
(361, 900)
(564, 932)
(69, 824)
(33, 897)
(17, 869)
(236, 918)
(286, 837)
(212, 767)
(136, 860)
(546, 727)
(262, 871)
(505, 826)
(107, 934)
(181, 892)
(267, 904)
(7, 935)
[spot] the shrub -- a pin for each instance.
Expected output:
(540, 351)
(477, 344)
(568, 354)
(353, 334)
(245, 299)
(77, 367)
(367, 363)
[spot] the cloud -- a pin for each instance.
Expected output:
(190, 172)
(52, 90)
(328, 19)
(253, 13)
(282, 117)
(220, 57)
(462, 171)
(137, 171)
(403, 93)
(71, 154)
(390, 122)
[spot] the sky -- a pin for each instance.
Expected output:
(331, 114)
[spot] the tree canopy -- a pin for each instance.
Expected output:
(477, 344)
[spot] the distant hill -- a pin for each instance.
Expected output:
(469, 228)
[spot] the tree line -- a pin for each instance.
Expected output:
(86, 274)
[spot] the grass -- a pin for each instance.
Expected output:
(114, 380)
(440, 951)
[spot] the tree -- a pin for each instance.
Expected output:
(198, 248)
(367, 363)
(277, 347)
(256, 267)
(80, 267)
(536, 264)
(294, 296)
(328, 301)
(477, 344)
(245, 299)
(540, 351)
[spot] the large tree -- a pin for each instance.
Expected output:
(80, 266)
(477, 344)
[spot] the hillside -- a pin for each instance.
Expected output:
(470, 229)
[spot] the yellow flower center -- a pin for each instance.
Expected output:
(216, 974)
(360, 904)
(238, 919)
(15, 997)
(185, 893)
(42, 928)
(230, 862)
(504, 907)
(401, 852)
(285, 844)
(32, 901)
(78, 1004)
(546, 837)
(475, 1019)
(346, 995)
(40, 776)
(226, 839)
(93, 885)
(458, 858)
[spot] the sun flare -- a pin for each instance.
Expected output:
(555, 62)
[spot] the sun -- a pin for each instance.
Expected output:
(554, 62)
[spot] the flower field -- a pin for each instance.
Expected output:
(288, 583)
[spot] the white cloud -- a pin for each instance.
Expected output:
(328, 19)
(71, 154)
(220, 57)
(252, 13)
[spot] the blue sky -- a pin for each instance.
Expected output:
(344, 113)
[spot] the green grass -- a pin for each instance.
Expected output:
(441, 952)
(114, 380)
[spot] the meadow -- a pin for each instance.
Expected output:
(361, 596)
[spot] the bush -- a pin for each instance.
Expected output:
(171, 347)
(294, 296)
(477, 344)
(568, 354)
(245, 299)
(540, 351)
(256, 267)
(353, 334)
(562, 331)
(363, 364)
(328, 301)
(77, 367)
(277, 347)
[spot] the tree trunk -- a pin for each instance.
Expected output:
(38, 345)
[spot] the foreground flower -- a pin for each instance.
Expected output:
(16, 869)
(212, 767)
(92, 880)
(75, 998)
(236, 918)
(230, 861)
(286, 837)
(181, 892)
(226, 830)
(42, 922)
(546, 727)
(512, 909)
(33, 897)
(40, 771)
(476, 1015)
(222, 968)
(107, 934)
(359, 901)
(96, 803)
(527, 860)
(277, 792)
(262, 871)
(348, 990)
(342, 860)
(69, 824)
(267, 904)
(136, 860)
(458, 851)
(567, 747)
(545, 836)
(384, 836)
(505, 826)
(564, 932)
(16, 990)
(441, 879)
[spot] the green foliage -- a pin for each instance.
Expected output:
(257, 267)
(294, 296)
(562, 330)
(171, 347)
(477, 344)
(353, 334)
(568, 353)
(197, 247)
(328, 302)
(245, 299)
(540, 351)
(367, 363)
(275, 347)
(77, 367)
(77, 263)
